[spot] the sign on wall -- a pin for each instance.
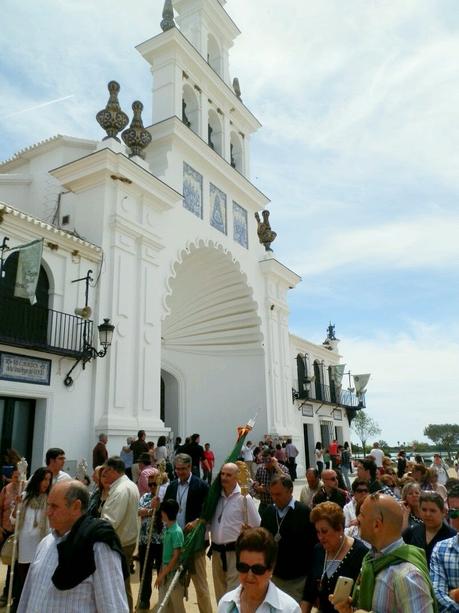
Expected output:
(24, 369)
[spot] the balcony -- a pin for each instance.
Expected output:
(41, 329)
(327, 395)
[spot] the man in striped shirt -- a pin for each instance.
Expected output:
(444, 563)
(394, 576)
(78, 567)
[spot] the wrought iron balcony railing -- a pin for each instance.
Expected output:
(35, 327)
(329, 395)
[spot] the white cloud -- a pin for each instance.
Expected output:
(427, 242)
(414, 377)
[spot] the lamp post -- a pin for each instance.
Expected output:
(106, 330)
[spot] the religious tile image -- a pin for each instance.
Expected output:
(192, 190)
(240, 231)
(217, 209)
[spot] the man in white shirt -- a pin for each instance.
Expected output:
(311, 489)
(247, 456)
(66, 575)
(377, 454)
(120, 509)
(234, 511)
(55, 460)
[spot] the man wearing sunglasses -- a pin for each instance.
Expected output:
(444, 563)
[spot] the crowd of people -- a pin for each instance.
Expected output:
(388, 526)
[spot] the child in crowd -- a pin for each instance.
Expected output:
(173, 540)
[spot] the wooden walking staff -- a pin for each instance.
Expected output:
(159, 481)
(22, 468)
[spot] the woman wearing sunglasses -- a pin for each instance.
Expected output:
(256, 552)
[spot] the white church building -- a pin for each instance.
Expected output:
(163, 217)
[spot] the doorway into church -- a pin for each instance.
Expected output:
(17, 417)
(169, 409)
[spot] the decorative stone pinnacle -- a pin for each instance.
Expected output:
(168, 22)
(136, 137)
(237, 87)
(265, 235)
(112, 119)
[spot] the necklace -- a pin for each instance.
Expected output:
(278, 536)
(327, 562)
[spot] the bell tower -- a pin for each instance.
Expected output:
(191, 79)
(210, 30)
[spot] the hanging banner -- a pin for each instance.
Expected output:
(29, 263)
(360, 383)
(337, 373)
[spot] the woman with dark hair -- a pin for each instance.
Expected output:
(161, 450)
(319, 457)
(256, 552)
(434, 529)
(335, 555)
(32, 526)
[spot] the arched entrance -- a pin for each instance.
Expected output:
(211, 335)
(169, 410)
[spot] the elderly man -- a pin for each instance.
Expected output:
(288, 521)
(444, 563)
(120, 510)
(234, 511)
(100, 453)
(79, 566)
(190, 492)
(330, 492)
(313, 486)
(263, 477)
(394, 576)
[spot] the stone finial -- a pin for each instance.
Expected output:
(136, 137)
(168, 22)
(265, 235)
(237, 87)
(112, 119)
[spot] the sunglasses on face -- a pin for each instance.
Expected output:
(257, 569)
(453, 513)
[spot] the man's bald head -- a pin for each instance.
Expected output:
(330, 479)
(380, 519)
(67, 502)
(228, 477)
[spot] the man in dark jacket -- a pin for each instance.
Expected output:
(330, 492)
(190, 492)
(288, 521)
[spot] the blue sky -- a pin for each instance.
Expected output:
(359, 102)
